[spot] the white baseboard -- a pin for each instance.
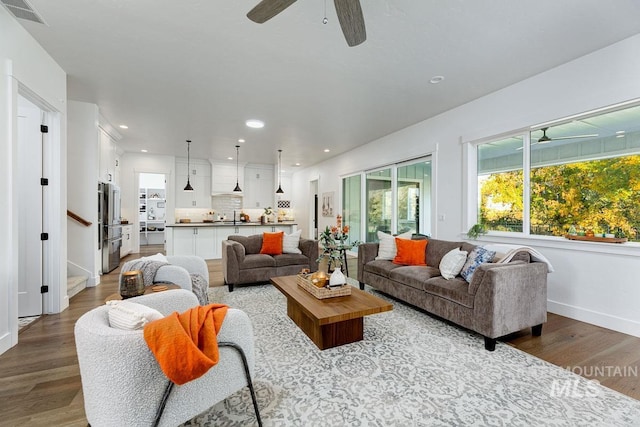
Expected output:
(5, 342)
(604, 320)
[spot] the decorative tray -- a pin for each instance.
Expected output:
(304, 282)
(597, 239)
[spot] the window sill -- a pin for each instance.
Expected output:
(627, 249)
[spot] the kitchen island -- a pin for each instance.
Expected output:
(204, 239)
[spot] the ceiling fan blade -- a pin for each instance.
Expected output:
(351, 20)
(591, 135)
(267, 9)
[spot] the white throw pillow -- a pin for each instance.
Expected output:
(387, 247)
(130, 315)
(452, 263)
(157, 257)
(290, 243)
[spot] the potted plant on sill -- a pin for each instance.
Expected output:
(476, 231)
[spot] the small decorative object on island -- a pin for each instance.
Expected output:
(267, 213)
(131, 284)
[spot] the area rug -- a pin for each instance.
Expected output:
(410, 370)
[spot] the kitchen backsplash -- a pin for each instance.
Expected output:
(226, 204)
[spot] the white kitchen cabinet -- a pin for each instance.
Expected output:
(271, 228)
(200, 241)
(127, 246)
(108, 158)
(199, 173)
(223, 178)
(259, 190)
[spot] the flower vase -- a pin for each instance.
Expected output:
(337, 278)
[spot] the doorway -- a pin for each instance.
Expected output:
(31, 257)
(152, 208)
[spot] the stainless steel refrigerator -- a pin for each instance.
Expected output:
(110, 230)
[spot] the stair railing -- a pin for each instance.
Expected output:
(78, 218)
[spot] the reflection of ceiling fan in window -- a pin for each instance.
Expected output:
(349, 14)
(544, 139)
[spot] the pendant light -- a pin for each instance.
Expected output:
(279, 190)
(237, 160)
(188, 187)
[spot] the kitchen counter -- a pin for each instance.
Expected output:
(204, 239)
(230, 224)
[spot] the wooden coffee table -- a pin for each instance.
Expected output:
(329, 322)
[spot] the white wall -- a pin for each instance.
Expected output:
(83, 162)
(593, 282)
(26, 67)
(132, 164)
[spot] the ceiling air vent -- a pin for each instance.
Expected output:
(23, 10)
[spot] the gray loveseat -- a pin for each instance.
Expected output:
(243, 263)
(501, 298)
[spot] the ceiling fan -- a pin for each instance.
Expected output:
(349, 14)
(544, 139)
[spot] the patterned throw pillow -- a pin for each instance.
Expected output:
(130, 316)
(290, 243)
(452, 263)
(477, 256)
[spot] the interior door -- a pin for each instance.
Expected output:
(30, 218)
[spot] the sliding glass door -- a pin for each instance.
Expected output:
(352, 206)
(395, 199)
(413, 193)
(378, 203)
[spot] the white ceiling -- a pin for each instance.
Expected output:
(197, 69)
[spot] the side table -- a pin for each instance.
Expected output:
(147, 290)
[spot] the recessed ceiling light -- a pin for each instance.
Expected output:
(144, 151)
(297, 164)
(620, 132)
(326, 150)
(124, 127)
(229, 158)
(241, 140)
(256, 124)
(436, 79)
(622, 135)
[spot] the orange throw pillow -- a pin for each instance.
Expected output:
(410, 252)
(272, 243)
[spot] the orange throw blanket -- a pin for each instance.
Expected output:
(186, 344)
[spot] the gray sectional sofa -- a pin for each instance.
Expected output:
(501, 298)
(242, 262)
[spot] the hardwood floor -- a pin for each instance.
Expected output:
(40, 380)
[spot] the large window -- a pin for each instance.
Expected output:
(395, 199)
(582, 174)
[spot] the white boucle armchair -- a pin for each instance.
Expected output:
(179, 269)
(122, 382)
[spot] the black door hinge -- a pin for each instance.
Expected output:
(44, 181)
(44, 128)
(44, 236)
(44, 289)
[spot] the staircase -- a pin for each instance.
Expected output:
(75, 284)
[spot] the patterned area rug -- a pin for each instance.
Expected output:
(410, 370)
